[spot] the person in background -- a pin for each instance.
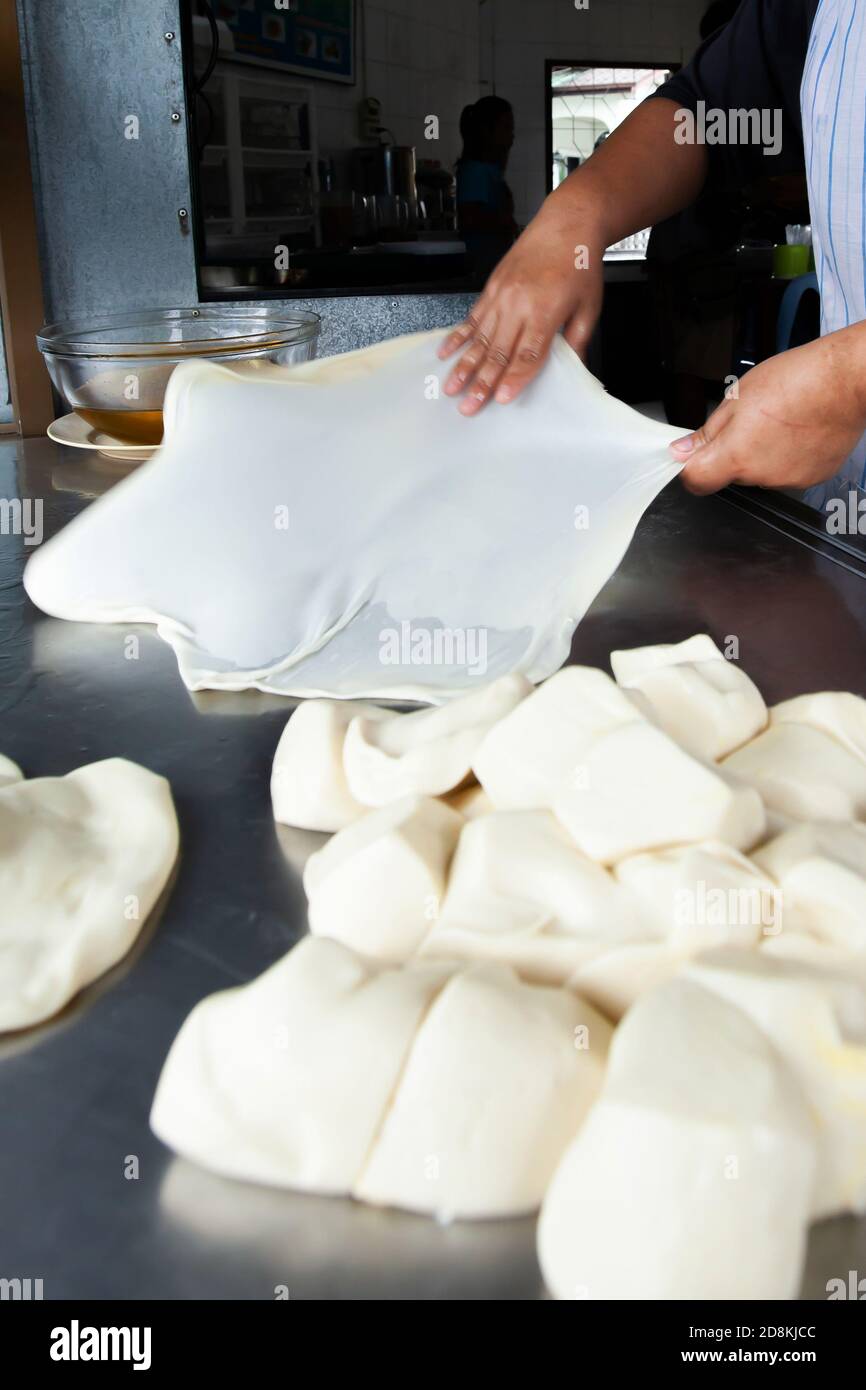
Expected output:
(485, 207)
(799, 419)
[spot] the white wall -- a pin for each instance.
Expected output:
(419, 59)
(518, 35)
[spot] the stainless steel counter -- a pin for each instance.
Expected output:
(75, 1094)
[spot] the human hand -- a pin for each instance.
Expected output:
(553, 275)
(794, 420)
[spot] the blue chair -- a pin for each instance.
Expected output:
(789, 306)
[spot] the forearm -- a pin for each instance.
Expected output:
(638, 177)
(846, 391)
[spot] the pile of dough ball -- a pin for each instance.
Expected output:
(83, 860)
(659, 850)
(453, 1091)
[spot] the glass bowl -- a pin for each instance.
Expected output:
(112, 369)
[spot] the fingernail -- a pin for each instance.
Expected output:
(684, 445)
(504, 394)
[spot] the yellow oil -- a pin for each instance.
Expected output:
(128, 426)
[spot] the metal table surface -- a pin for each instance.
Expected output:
(75, 1093)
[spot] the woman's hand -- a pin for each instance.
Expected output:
(794, 420)
(550, 277)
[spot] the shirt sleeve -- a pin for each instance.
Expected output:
(754, 63)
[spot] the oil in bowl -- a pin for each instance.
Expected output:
(113, 369)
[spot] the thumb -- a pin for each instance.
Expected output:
(704, 453)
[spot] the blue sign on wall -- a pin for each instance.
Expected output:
(315, 37)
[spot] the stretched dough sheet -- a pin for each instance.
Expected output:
(338, 528)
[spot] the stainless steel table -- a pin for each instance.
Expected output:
(75, 1094)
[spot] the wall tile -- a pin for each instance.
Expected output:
(376, 29)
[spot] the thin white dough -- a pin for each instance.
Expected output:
(338, 528)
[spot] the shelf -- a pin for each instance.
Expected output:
(261, 149)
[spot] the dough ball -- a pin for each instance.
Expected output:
(9, 771)
(633, 662)
(816, 1019)
(308, 782)
(701, 896)
(707, 704)
(640, 791)
(527, 758)
(803, 773)
(692, 1176)
(688, 899)
(450, 1093)
(498, 1082)
(821, 873)
(807, 950)
(428, 752)
(379, 883)
(835, 712)
(285, 1080)
(520, 892)
(613, 980)
(83, 859)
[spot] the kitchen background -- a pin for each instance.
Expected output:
(167, 166)
(108, 207)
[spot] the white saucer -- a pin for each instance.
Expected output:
(72, 430)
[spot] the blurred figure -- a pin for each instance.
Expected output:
(485, 207)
